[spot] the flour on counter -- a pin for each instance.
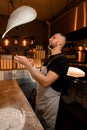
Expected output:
(11, 119)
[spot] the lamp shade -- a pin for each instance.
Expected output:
(21, 15)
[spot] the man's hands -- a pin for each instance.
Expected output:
(23, 60)
(43, 80)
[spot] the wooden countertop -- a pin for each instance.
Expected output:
(12, 96)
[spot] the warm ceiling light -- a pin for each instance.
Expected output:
(15, 41)
(6, 42)
(76, 16)
(32, 42)
(84, 9)
(24, 42)
(86, 48)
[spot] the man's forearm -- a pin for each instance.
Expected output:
(40, 78)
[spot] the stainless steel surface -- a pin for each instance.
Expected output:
(76, 56)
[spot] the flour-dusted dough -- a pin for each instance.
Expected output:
(11, 119)
(75, 72)
(21, 15)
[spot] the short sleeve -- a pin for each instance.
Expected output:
(59, 66)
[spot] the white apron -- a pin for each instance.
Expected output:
(47, 104)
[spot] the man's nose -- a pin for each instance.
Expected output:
(49, 39)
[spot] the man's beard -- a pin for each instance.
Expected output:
(50, 47)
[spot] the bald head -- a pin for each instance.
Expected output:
(57, 41)
(61, 39)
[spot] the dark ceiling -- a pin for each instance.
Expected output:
(46, 9)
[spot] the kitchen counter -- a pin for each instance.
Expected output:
(11, 96)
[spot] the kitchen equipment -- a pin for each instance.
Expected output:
(78, 54)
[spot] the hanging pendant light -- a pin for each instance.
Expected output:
(6, 42)
(24, 42)
(15, 41)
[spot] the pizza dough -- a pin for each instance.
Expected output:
(75, 72)
(11, 119)
(21, 15)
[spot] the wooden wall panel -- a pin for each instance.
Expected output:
(80, 16)
(65, 24)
